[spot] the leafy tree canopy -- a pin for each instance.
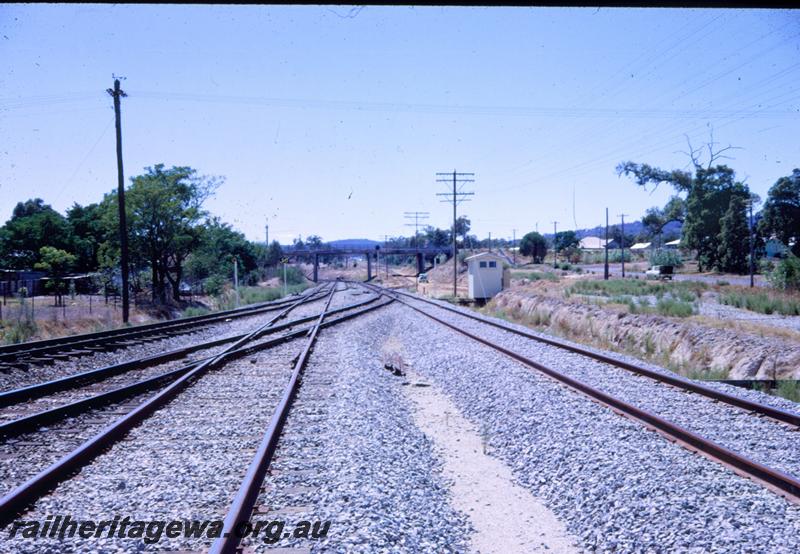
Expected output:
(566, 239)
(781, 214)
(33, 225)
(533, 244)
(708, 195)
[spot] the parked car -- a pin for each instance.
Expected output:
(659, 272)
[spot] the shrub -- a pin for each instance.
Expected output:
(294, 276)
(674, 307)
(765, 266)
(23, 326)
(666, 257)
(786, 275)
(762, 302)
(193, 311)
(214, 284)
(789, 390)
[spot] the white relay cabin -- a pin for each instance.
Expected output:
(485, 272)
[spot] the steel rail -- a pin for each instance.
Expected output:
(243, 502)
(763, 409)
(29, 423)
(778, 481)
(23, 495)
(39, 390)
(21, 353)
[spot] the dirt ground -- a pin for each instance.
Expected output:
(85, 313)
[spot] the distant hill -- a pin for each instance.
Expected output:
(354, 243)
(631, 228)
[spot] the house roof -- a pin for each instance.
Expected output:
(592, 242)
(484, 256)
(641, 245)
(676, 242)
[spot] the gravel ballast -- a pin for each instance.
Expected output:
(767, 441)
(24, 456)
(618, 486)
(351, 454)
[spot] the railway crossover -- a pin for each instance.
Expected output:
(168, 384)
(180, 403)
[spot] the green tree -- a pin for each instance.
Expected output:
(164, 209)
(33, 224)
(217, 244)
(565, 239)
(732, 254)
(274, 254)
(656, 218)
(463, 225)
(533, 244)
(615, 234)
(780, 216)
(87, 235)
(57, 263)
(437, 237)
(314, 242)
(708, 192)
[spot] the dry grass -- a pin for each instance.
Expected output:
(587, 334)
(751, 327)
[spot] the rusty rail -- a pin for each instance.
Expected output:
(32, 353)
(685, 384)
(23, 495)
(14, 396)
(778, 481)
(245, 498)
(30, 422)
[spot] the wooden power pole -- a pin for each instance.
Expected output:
(555, 244)
(622, 243)
(118, 93)
(605, 268)
(455, 197)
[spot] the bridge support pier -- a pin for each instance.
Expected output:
(316, 268)
(420, 263)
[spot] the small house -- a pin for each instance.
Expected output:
(673, 244)
(485, 272)
(775, 248)
(641, 246)
(592, 243)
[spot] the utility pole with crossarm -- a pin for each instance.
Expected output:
(456, 197)
(118, 93)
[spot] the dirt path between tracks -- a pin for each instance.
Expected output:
(506, 517)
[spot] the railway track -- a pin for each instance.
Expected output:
(46, 352)
(33, 416)
(267, 336)
(777, 480)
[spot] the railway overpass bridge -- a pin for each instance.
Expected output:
(371, 254)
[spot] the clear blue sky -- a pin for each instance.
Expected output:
(333, 121)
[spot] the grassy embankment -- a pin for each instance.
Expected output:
(673, 299)
(763, 302)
